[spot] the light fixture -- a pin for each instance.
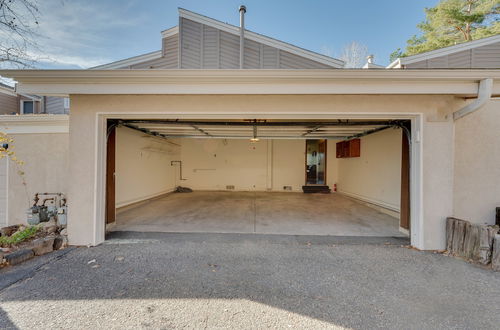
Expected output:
(254, 138)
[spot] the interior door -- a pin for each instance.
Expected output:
(110, 176)
(315, 162)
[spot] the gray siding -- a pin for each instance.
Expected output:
(55, 105)
(204, 47)
(9, 104)
(485, 57)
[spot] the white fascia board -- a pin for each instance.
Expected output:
(336, 63)
(396, 64)
(449, 50)
(34, 124)
(361, 81)
(8, 91)
(129, 61)
(170, 32)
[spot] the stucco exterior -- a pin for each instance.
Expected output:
(476, 188)
(435, 140)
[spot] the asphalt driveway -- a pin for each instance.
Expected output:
(249, 281)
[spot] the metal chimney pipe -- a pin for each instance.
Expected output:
(243, 10)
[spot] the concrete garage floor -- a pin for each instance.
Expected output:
(257, 212)
(249, 281)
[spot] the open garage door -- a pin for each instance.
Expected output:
(250, 176)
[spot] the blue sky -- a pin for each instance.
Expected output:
(84, 33)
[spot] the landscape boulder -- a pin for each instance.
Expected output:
(17, 257)
(43, 246)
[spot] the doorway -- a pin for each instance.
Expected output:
(316, 162)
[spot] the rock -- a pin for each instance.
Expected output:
(58, 243)
(8, 231)
(17, 257)
(43, 246)
(64, 232)
(51, 229)
(49, 223)
(495, 259)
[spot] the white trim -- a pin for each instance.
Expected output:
(416, 167)
(170, 32)
(129, 61)
(379, 203)
(449, 50)
(34, 124)
(8, 91)
(362, 81)
(336, 63)
(142, 199)
(21, 107)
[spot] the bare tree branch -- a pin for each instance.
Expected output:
(354, 55)
(18, 23)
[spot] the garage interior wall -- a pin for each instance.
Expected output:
(267, 165)
(476, 188)
(143, 166)
(45, 168)
(375, 177)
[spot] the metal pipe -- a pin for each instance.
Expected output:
(242, 10)
(180, 168)
(483, 95)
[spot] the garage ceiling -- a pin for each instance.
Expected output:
(259, 129)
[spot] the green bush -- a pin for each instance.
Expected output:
(19, 236)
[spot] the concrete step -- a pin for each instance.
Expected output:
(316, 189)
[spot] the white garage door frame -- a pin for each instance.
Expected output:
(416, 161)
(4, 189)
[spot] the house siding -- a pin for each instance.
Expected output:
(484, 57)
(9, 104)
(205, 47)
(55, 105)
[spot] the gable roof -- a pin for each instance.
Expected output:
(184, 13)
(444, 51)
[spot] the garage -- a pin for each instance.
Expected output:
(342, 177)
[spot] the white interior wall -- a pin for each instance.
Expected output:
(213, 164)
(375, 177)
(143, 166)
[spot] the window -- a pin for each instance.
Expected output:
(66, 103)
(27, 107)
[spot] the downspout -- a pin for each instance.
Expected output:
(483, 95)
(243, 10)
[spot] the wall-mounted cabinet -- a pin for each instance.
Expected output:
(348, 149)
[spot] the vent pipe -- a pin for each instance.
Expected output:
(243, 10)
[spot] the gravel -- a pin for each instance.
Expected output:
(251, 281)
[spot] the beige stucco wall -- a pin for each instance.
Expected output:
(46, 169)
(476, 187)
(143, 166)
(268, 165)
(436, 140)
(375, 176)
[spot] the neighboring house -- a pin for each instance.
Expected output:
(223, 108)
(478, 54)
(13, 103)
